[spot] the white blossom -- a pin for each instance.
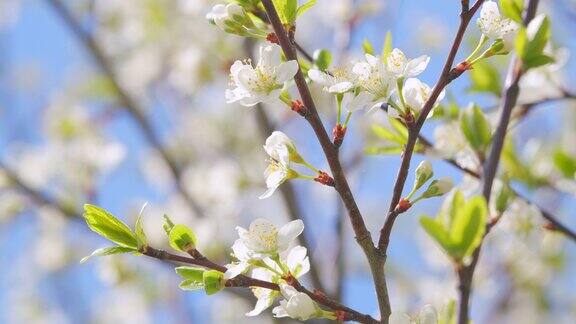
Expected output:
(338, 81)
(281, 149)
(401, 67)
(264, 297)
(263, 83)
(221, 14)
(353, 102)
(295, 305)
(427, 315)
(494, 26)
(416, 94)
(374, 78)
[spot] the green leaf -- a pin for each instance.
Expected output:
(305, 7)
(182, 238)
(108, 251)
(388, 134)
(536, 61)
(213, 281)
(139, 230)
(521, 42)
(280, 6)
(367, 47)
(191, 273)
(290, 10)
(168, 224)
(437, 232)
(399, 127)
(387, 47)
(468, 227)
(512, 9)
(322, 59)
(503, 197)
(191, 285)
(108, 226)
(448, 313)
(485, 78)
(565, 163)
(383, 150)
(476, 128)
(451, 205)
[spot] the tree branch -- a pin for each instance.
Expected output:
(244, 281)
(363, 237)
(515, 72)
(448, 75)
(129, 104)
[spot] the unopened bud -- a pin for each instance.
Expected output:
(299, 107)
(272, 38)
(213, 281)
(338, 133)
(403, 205)
(324, 179)
(438, 188)
(423, 173)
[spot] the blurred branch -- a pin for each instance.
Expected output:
(363, 236)
(36, 195)
(515, 72)
(129, 103)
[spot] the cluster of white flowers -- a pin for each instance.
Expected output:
(494, 26)
(267, 252)
(389, 79)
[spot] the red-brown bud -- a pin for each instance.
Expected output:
(324, 179)
(341, 315)
(549, 226)
(338, 133)
(299, 107)
(272, 38)
(403, 205)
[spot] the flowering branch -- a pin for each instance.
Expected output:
(331, 152)
(246, 282)
(448, 75)
(129, 103)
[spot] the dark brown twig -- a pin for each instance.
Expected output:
(363, 237)
(448, 75)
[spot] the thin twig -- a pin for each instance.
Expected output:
(363, 237)
(448, 75)
(244, 281)
(129, 104)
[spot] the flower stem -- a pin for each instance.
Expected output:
(339, 103)
(483, 39)
(347, 118)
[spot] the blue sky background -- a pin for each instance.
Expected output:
(39, 43)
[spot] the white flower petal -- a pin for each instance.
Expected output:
(417, 66)
(235, 269)
(286, 71)
(288, 233)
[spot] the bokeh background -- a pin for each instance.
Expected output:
(164, 135)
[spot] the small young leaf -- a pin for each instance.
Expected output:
(108, 251)
(512, 9)
(168, 224)
(108, 226)
(438, 233)
(565, 163)
(213, 281)
(476, 128)
(190, 273)
(388, 134)
(485, 78)
(191, 285)
(387, 48)
(468, 227)
(367, 47)
(305, 7)
(139, 230)
(322, 59)
(290, 10)
(383, 150)
(182, 238)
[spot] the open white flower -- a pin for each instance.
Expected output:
(263, 83)
(374, 78)
(263, 237)
(264, 297)
(352, 102)
(298, 264)
(338, 81)
(296, 304)
(494, 26)
(281, 150)
(416, 93)
(221, 14)
(401, 67)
